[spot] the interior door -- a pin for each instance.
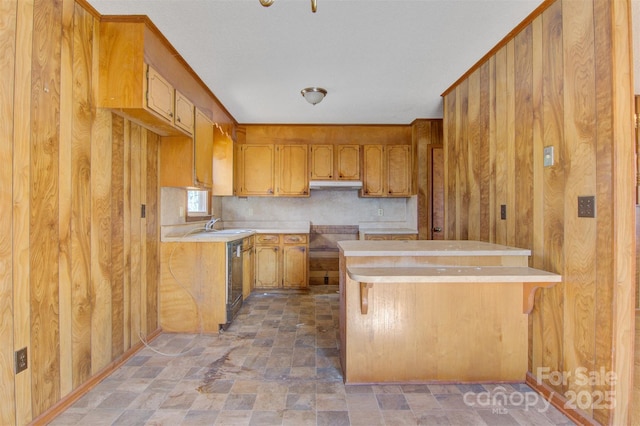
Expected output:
(436, 192)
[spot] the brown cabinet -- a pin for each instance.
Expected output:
(184, 116)
(291, 171)
(256, 170)
(335, 162)
(187, 161)
(386, 171)
(281, 261)
(272, 170)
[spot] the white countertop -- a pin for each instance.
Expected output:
(232, 231)
(450, 274)
(428, 248)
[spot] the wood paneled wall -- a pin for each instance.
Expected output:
(78, 264)
(562, 80)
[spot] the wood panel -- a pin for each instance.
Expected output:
(425, 133)
(101, 242)
(579, 149)
(152, 234)
(80, 153)
(21, 205)
(551, 315)
(327, 134)
(64, 197)
(43, 244)
(118, 156)
(7, 84)
(603, 162)
(563, 80)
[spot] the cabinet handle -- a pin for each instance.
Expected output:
(437, 229)
(178, 120)
(170, 114)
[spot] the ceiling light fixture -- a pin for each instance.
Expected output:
(267, 3)
(313, 95)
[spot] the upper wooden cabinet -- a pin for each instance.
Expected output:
(223, 163)
(256, 170)
(268, 170)
(186, 161)
(291, 171)
(184, 116)
(334, 162)
(386, 171)
(203, 151)
(132, 87)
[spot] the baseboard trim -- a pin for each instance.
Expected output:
(558, 401)
(66, 402)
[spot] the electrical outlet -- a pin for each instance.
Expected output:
(380, 212)
(21, 360)
(587, 206)
(503, 211)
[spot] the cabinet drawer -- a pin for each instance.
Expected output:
(267, 239)
(295, 239)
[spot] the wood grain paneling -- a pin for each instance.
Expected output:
(83, 110)
(561, 81)
(425, 133)
(66, 199)
(550, 317)
(117, 236)
(21, 205)
(7, 69)
(44, 261)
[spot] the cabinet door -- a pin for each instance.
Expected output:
(267, 266)
(321, 162)
(348, 162)
(256, 170)
(294, 266)
(160, 95)
(398, 170)
(292, 169)
(248, 267)
(223, 154)
(184, 113)
(373, 172)
(203, 151)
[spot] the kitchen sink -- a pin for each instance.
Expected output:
(230, 231)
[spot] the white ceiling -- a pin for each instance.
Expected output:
(382, 61)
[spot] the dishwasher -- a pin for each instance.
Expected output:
(234, 280)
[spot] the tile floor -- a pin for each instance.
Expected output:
(277, 364)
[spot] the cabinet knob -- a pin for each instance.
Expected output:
(170, 114)
(178, 120)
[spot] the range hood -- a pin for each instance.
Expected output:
(335, 184)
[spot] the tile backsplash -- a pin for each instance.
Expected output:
(329, 207)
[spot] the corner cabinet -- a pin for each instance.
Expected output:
(334, 162)
(386, 171)
(272, 170)
(281, 261)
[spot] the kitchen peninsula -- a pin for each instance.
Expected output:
(435, 311)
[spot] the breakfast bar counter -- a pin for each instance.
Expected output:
(435, 311)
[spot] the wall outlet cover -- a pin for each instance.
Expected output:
(22, 362)
(587, 206)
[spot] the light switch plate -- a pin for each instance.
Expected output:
(548, 156)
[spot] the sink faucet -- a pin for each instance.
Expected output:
(209, 225)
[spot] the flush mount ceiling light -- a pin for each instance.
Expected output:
(313, 95)
(267, 3)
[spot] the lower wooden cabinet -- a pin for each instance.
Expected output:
(282, 261)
